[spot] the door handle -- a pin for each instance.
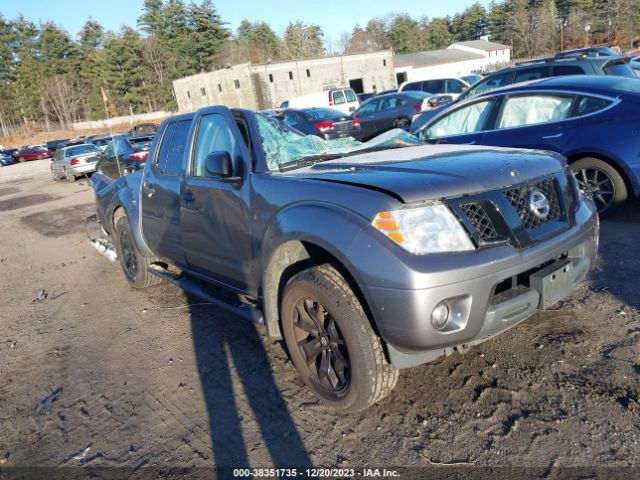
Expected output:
(148, 189)
(187, 198)
(557, 135)
(472, 142)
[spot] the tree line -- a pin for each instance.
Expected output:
(47, 77)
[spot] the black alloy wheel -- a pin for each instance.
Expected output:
(322, 347)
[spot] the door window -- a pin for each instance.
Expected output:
(468, 119)
(338, 97)
(388, 103)
(489, 83)
(120, 146)
(586, 105)
(532, 109)
(567, 70)
(368, 107)
(528, 74)
(351, 97)
(433, 86)
(455, 86)
(109, 151)
(292, 118)
(167, 137)
(174, 142)
(413, 86)
(214, 135)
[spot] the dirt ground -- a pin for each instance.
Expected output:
(100, 375)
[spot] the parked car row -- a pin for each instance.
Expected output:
(591, 120)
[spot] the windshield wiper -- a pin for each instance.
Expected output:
(308, 160)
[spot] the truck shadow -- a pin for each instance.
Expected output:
(230, 353)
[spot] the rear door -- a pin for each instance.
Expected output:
(388, 113)
(352, 100)
(339, 101)
(534, 120)
(367, 116)
(160, 196)
(215, 212)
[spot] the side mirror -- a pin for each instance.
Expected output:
(219, 164)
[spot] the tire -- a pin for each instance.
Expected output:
(403, 123)
(602, 182)
(134, 265)
(54, 175)
(341, 336)
(21, 160)
(70, 178)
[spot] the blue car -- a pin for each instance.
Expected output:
(592, 120)
(392, 110)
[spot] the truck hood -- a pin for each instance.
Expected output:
(430, 172)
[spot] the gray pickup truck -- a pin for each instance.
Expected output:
(366, 258)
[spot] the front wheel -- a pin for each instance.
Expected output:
(331, 342)
(134, 264)
(601, 182)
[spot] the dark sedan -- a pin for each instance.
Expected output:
(124, 155)
(54, 145)
(6, 160)
(394, 110)
(592, 120)
(326, 123)
(32, 153)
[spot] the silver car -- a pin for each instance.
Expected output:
(69, 162)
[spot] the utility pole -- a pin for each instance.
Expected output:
(587, 29)
(563, 23)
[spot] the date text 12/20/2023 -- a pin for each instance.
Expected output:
(314, 473)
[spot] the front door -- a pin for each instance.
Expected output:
(215, 212)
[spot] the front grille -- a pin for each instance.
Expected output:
(519, 198)
(477, 215)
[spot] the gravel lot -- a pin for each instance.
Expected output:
(98, 374)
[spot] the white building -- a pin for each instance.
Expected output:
(266, 86)
(460, 58)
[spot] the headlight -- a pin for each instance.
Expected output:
(431, 229)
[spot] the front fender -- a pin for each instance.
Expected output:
(330, 227)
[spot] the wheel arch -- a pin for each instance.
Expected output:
(624, 171)
(291, 258)
(298, 239)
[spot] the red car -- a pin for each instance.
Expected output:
(32, 153)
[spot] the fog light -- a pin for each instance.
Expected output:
(440, 315)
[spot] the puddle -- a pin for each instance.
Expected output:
(26, 201)
(59, 222)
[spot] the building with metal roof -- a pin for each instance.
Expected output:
(460, 58)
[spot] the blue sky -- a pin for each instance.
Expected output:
(334, 16)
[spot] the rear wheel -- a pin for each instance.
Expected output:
(602, 182)
(134, 264)
(70, 177)
(402, 123)
(331, 342)
(21, 159)
(54, 175)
